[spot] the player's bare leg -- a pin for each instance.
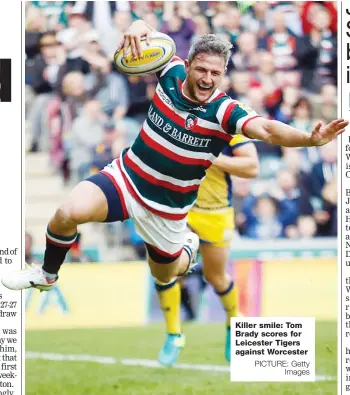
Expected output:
(86, 203)
(214, 260)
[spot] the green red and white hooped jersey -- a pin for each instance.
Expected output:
(178, 141)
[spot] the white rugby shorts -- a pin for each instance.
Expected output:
(165, 235)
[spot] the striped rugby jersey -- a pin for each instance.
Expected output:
(178, 141)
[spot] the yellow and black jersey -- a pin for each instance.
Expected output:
(215, 191)
(212, 216)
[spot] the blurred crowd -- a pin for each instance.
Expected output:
(283, 65)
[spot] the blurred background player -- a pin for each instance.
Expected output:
(212, 218)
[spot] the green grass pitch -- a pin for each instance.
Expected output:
(204, 345)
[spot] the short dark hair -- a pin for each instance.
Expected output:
(211, 44)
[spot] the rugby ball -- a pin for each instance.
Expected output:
(155, 56)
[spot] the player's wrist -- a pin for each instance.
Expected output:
(141, 24)
(316, 142)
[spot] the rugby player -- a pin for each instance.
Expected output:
(212, 219)
(155, 181)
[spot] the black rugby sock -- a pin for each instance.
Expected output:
(56, 250)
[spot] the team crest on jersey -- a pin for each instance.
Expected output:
(191, 122)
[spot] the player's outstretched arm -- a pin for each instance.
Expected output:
(244, 163)
(278, 133)
(132, 37)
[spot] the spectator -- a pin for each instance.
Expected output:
(241, 198)
(291, 11)
(151, 19)
(256, 100)
(226, 86)
(113, 103)
(201, 26)
(302, 115)
(325, 103)
(42, 76)
(240, 83)
(294, 160)
(229, 23)
(87, 132)
(317, 54)
(325, 170)
(287, 193)
(35, 26)
(74, 39)
(179, 28)
(55, 13)
(75, 92)
(263, 221)
(300, 160)
(309, 11)
(66, 108)
(141, 93)
(140, 8)
(110, 147)
(257, 20)
(265, 78)
(100, 14)
(246, 58)
(111, 38)
(321, 184)
(284, 112)
(280, 42)
(307, 228)
(330, 198)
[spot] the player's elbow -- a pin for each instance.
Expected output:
(262, 129)
(254, 170)
(270, 133)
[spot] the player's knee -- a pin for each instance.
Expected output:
(215, 279)
(163, 277)
(69, 214)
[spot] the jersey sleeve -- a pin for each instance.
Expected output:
(238, 140)
(234, 116)
(175, 67)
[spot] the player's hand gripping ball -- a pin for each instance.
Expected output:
(155, 56)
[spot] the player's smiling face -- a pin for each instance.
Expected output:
(204, 75)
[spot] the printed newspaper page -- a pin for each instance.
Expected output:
(344, 239)
(153, 240)
(11, 209)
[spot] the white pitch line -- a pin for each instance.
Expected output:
(148, 363)
(67, 357)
